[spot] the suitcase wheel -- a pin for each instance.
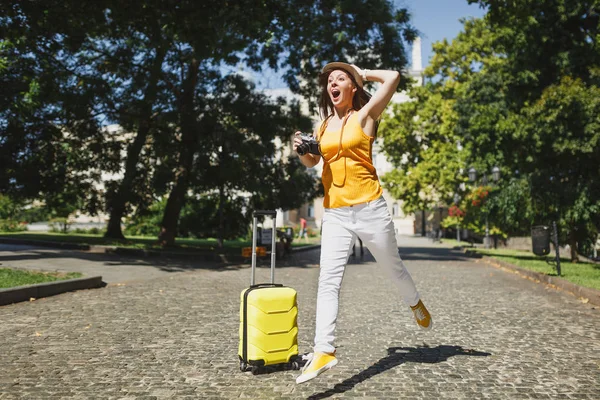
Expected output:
(255, 370)
(243, 366)
(295, 365)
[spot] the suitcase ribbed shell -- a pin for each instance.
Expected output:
(270, 316)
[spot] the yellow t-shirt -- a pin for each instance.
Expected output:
(349, 177)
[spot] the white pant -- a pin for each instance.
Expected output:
(373, 224)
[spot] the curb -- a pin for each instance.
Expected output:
(592, 295)
(124, 251)
(47, 289)
(306, 248)
(215, 257)
(45, 243)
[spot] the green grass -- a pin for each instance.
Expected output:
(14, 277)
(454, 242)
(144, 242)
(581, 273)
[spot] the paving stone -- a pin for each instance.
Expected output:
(496, 336)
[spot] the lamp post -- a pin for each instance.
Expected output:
(484, 180)
(456, 200)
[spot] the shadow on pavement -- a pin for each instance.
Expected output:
(397, 356)
(417, 254)
(432, 254)
(164, 263)
(299, 259)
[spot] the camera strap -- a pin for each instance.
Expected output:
(324, 127)
(338, 183)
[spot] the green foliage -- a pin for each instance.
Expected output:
(62, 205)
(451, 222)
(16, 210)
(9, 209)
(67, 68)
(89, 231)
(511, 207)
(200, 218)
(418, 139)
(41, 101)
(564, 33)
(146, 222)
(537, 121)
(421, 137)
(61, 225)
(10, 225)
(33, 214)
(243, 153)
(548, 129)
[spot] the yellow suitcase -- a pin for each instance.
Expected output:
(268, 317)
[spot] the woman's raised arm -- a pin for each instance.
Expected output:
(389, 82)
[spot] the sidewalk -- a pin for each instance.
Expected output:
(175, 336)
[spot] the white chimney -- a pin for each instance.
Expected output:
(416, 55)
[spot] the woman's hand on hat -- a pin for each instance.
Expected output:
(361, 72)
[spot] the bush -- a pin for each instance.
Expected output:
(61, 225)
(10, 225)
(91, 231)
(147, 223)
(143, 228)
(9, 208)
(451, 221)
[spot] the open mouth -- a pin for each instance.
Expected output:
(335, 94)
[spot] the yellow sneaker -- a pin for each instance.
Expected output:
(317, 364)
(422, 315)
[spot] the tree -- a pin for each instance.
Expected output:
(548, 124)
(421, 137)
(152, 70)
(49, 136)
(245, 157)
(133, 53)
(296, 36)
(511, 207)
(418, 139)
(564, 129)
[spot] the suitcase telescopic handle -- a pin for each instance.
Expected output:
(255, 214)
(264, 285)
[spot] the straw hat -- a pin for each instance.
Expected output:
(345, 67)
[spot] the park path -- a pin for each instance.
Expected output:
(175, 335)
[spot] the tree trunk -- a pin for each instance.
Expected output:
(170, 221)
(189, 134)
(122, 196)
(573, 246)
(113, 230)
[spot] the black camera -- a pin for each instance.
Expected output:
(309, 145)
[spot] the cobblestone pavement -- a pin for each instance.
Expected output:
(496, 336)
